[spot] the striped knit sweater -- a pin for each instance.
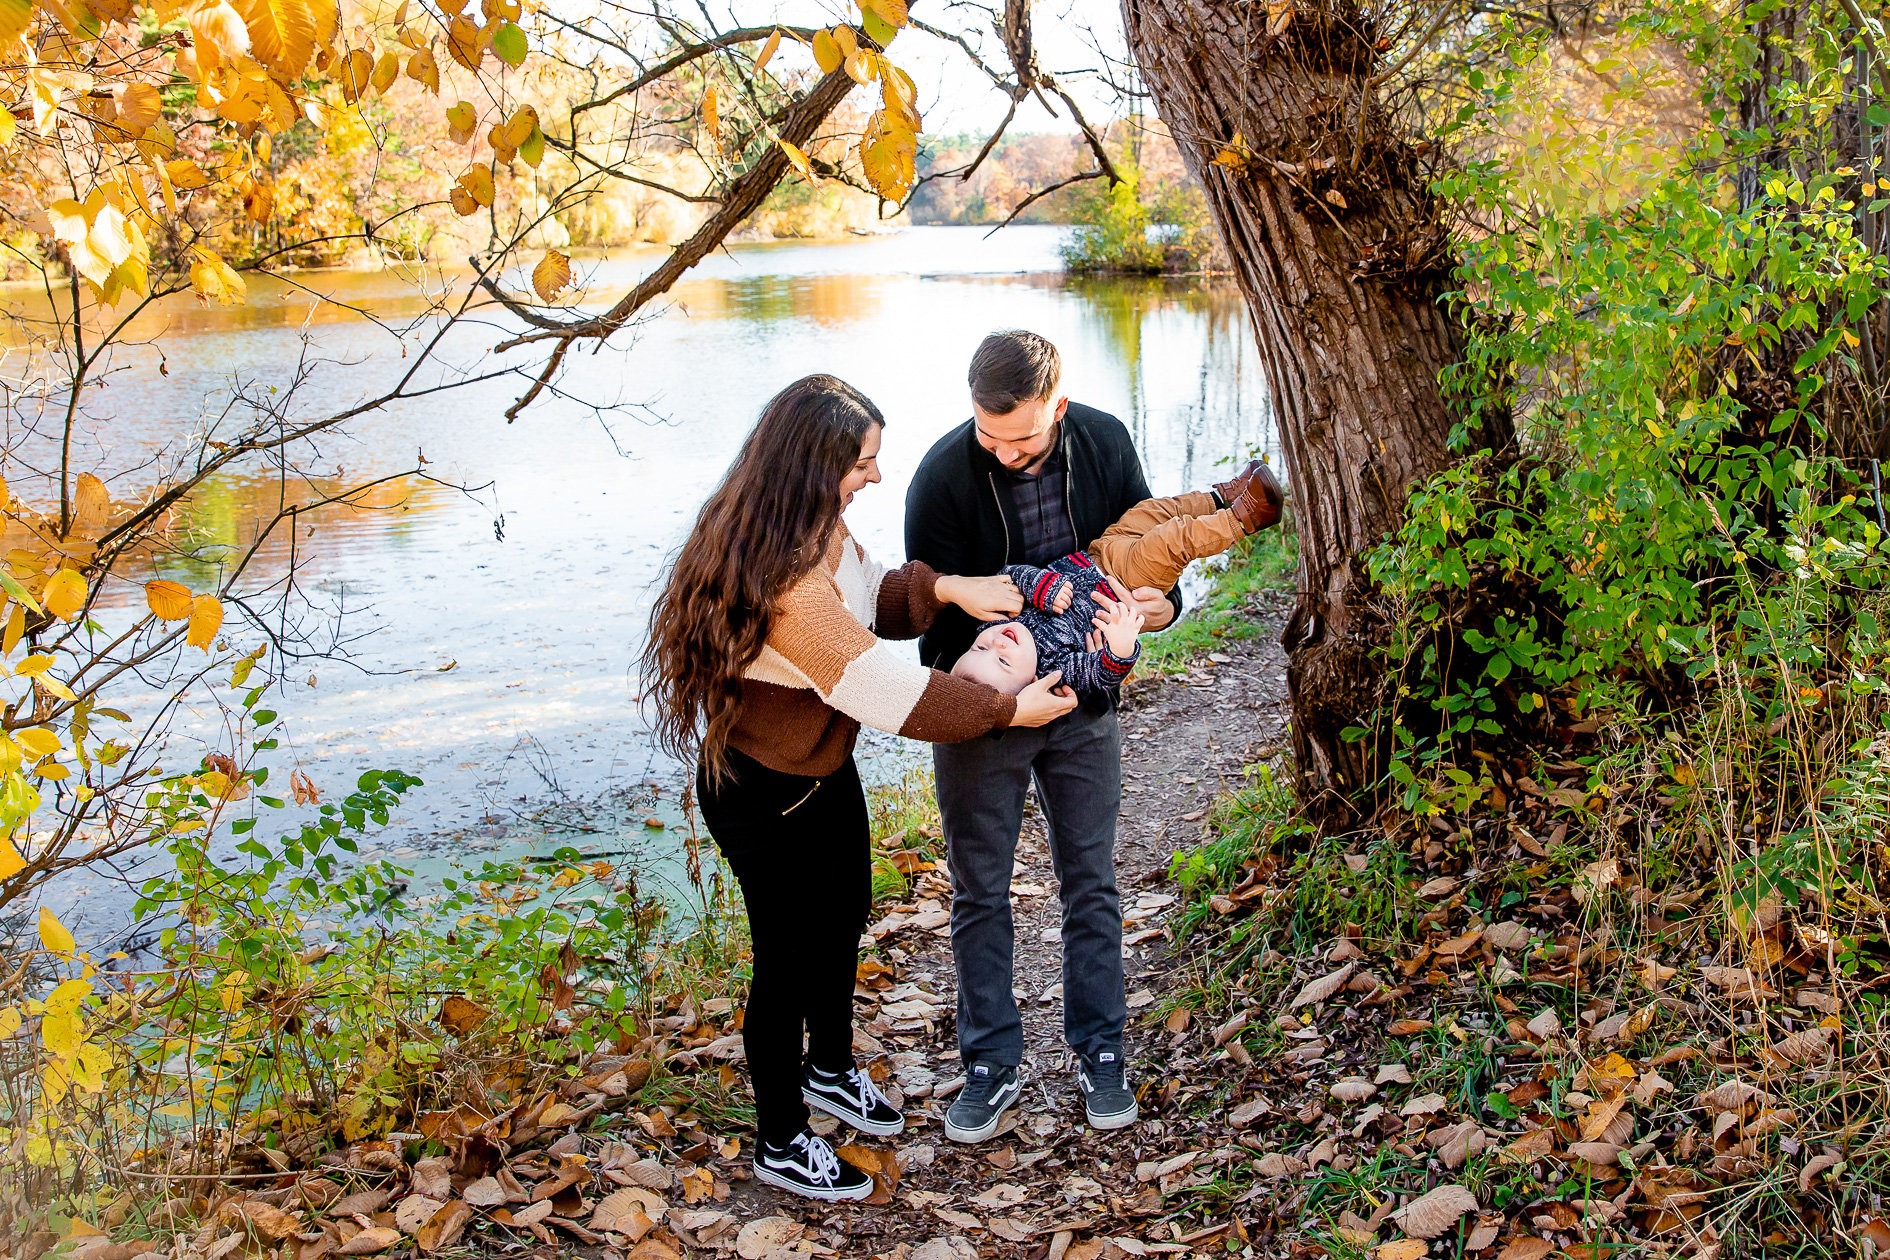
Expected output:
(823, 672)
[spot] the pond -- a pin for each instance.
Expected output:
(487, 637)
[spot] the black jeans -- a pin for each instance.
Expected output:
(1077, 764)
(800, 848)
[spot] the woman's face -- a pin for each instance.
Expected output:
(865, 471)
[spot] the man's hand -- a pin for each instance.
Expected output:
(1156, 611)
(985, 598)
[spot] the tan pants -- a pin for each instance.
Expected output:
(1155, 539)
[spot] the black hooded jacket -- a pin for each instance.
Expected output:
(960, 520)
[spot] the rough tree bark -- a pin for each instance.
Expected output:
(1340, 256)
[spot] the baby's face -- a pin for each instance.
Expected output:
(1002, 656)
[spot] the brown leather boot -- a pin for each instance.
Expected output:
(1259, 504)
(1228, 491)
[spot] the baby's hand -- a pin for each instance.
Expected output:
(1060, 602)
(1119, 622)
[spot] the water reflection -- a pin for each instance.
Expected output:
(501, 627)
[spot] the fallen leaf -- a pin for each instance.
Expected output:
(1545, 1025)
(485, 1192)
(432, 1177)
(444, 1228)
(1808, 1176)
(1530, 1248)
(1392, 1074)
(1594, 879)
(371, 1241)
(1403, 1249)
(1507, 935)
(1434, 1213)
(1353, 1089)
(1319, 990)
(1530, 1146)
(416, 1210)
(1423, 1105)
(1409, 1027)
(1278, 1165)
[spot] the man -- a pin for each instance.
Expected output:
(1030, 477)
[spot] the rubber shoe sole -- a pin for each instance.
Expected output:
(984, 1131)
(840, 1111)
(1119, 1120)
(763, 1173)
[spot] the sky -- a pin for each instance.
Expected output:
(954, 96)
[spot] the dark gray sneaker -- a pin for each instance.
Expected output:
(990, 1090)
(1107, 1099)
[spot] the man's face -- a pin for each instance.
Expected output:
(1022, 438)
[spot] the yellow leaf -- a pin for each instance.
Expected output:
(463, 42)
(214, 279)
(11, 864)
(258, 201)
(463, 203)
(53, 934)
(768, 50)
(67, 998)
(206, 618)
(52, 770)
(220, 27)
(281, 33)
(39, 741)
(64, 595)
(461, 120)
(424, 69)
(355, 74)
(60, 1034)
(90, 504)
(478, 182)
(169, 600)
(519, 128)
(15, 15)
(846, 40)
(711, 119)
(894, 11)
(386, 70)
(186, 174)
(9, 1020)
(552, 275)
(799, 159)
(16, 627)
(827, 53)
(138, 105)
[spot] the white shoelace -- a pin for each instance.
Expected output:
(825, 1164)
(869, 1092)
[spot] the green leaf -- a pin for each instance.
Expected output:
(17, 591)
(879, 28)
(509, 43)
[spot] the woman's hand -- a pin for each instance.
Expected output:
(985, 598)
(1043, 701)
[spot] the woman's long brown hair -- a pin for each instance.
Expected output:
(765, 527)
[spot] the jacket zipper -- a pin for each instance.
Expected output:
(998, 499)
(1069, 509)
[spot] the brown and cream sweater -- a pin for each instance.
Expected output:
(823, 671)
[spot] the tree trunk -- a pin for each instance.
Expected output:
(1339, 253)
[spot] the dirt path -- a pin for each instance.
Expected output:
(1047, 1186)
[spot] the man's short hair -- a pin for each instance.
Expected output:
(1011, 368)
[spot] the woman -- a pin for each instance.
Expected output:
(763, 662)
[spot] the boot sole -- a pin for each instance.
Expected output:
(808, 1192)
(853, 1118)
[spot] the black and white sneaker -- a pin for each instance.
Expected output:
(808, 1167)
(854, 1098)
(990, 1089)
(1107, 1098)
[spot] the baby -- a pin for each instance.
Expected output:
(1058, 629)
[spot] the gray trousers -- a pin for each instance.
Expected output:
(1077, 763)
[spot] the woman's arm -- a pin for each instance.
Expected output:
(851, 670)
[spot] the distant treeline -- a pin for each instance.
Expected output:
(1024, 163)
